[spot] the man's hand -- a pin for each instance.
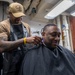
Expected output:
(34, 39)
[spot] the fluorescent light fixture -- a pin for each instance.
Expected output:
(59, 8)
(73, 13)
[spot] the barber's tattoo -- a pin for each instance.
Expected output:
(3, 38)
(7, 46)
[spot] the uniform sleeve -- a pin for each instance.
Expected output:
(3, 32)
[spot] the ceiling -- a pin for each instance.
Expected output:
(37, 9)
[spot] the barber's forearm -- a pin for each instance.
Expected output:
(10, 45)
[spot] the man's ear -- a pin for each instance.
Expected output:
(43, 33)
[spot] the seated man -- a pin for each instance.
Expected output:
(49, 58)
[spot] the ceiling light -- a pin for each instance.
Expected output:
(59, 8)
(73, 13)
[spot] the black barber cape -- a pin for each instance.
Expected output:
(43, 61)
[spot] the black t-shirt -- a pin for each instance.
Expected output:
(18, 30)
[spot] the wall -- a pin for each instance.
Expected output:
(36, 27)
(72, 25)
